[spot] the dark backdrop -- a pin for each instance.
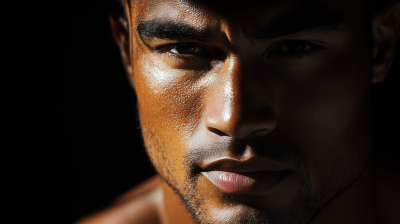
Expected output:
(97, 120)
(98, 117)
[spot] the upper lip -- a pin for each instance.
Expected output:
(253, 164)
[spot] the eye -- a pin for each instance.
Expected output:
(184, 48)
(294, 47)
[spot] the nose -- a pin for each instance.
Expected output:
(239, 105)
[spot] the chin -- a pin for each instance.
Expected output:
(232, 214)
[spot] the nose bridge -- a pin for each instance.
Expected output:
(225, 107)
(234, 108)
(224, 104)
(231, 95)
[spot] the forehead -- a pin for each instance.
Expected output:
(240, 14)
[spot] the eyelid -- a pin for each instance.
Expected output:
(296, 54)
(284, 42)
(166, 47)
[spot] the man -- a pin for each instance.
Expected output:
(258, 111)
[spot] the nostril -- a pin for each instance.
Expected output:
(260, 132)
(218, 132)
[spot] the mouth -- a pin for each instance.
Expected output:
(259, 182)
(254, 176)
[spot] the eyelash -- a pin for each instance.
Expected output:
(294, 55)
(167, 48)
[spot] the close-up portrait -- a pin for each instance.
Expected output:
(233, 112)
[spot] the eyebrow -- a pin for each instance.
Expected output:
(163, 29)
(302, 19)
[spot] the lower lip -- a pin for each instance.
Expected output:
(255, 182)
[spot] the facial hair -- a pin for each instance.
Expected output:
(308, 204)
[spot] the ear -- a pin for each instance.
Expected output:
(386, 32)
(120, 31)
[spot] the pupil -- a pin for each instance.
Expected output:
(297, 46)
(186, 49)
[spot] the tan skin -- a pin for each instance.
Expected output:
(233, 98)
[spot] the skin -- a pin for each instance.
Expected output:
(245, 99)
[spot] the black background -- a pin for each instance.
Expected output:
(96, 126)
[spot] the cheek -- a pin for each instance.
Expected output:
(169, 104)
(334, 91)
(329, 116)
(169, 97)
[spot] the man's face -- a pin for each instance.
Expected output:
(254, 113)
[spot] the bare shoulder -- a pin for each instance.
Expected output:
(387, 174)
(141, 204)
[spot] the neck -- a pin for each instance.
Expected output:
(174, 210)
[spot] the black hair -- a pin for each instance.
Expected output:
(371, 6)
